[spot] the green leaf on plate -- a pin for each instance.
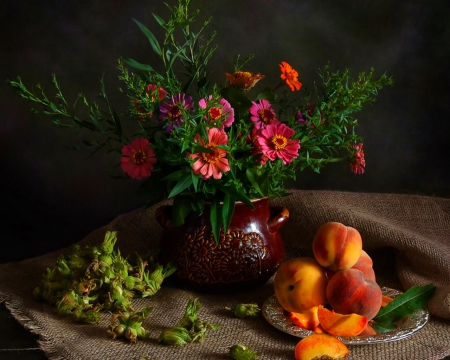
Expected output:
(383, 328)
(416, 298)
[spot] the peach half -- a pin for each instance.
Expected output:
(336, 246)
(341, 325)
(300, 284)
(350, 292)
(320, 346)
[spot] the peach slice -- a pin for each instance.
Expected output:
(385, 300)
(320, 346)
(307, 319)
(341, 325)
(368, 331)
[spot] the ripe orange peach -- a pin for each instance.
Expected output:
(320, 346)
(365, 264)
(341, 325)
(349, 291)
(336, 246)
(300, 284)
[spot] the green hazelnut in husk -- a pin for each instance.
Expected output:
(242, 352)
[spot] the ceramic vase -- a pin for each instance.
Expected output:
(247, 255)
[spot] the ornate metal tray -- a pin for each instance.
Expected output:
(276, 316)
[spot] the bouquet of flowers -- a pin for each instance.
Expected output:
(198, 142)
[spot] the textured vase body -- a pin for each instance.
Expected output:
(247, 255)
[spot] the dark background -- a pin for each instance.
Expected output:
(52, 197)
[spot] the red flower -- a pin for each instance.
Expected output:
(138, 159)
(253, 139)
(212, 163)
(151, 91)
(274, 142)
(357, 162)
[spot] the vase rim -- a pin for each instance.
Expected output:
(240, 202)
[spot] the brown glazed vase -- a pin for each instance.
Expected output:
(247, 255)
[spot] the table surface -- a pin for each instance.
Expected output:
(17, 343)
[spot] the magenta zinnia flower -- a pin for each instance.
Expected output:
(262, 114)
(138, 159)
(357, 161)
(171, 110)
(219, 115)
(274, 142)
(212, 163)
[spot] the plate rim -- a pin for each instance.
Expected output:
(283, 323)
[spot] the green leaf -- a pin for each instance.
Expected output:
(180, 209)
(383, 328)
(227, 211)
(238, 194)
(159, 20)
(267, 94)
(153, 41)
(175, 176)
(195, 179)
(138, 65)
(216, 219)
(181, 185)
(237, 99)
(414, 299)
(259, 180)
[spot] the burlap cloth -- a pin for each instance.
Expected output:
(408, 237)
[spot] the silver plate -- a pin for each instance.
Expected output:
(276, 316)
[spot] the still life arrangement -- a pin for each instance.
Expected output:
(221, 152)
(218, 150)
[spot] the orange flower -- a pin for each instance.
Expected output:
(243, 79)
(290, 76)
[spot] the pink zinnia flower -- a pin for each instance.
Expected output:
(357, 162)
(138, 159)
(214, 163)
(262, 114)
(171, 110)
(274, 142)
(219, 115)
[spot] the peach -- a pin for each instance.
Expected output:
(349, 291)
(341, 325)
(307, 319)
(336, 246)
(300, 284)
(365, 264)
(318, 346)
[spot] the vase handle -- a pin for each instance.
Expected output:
(162, 217)
(279, 219)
